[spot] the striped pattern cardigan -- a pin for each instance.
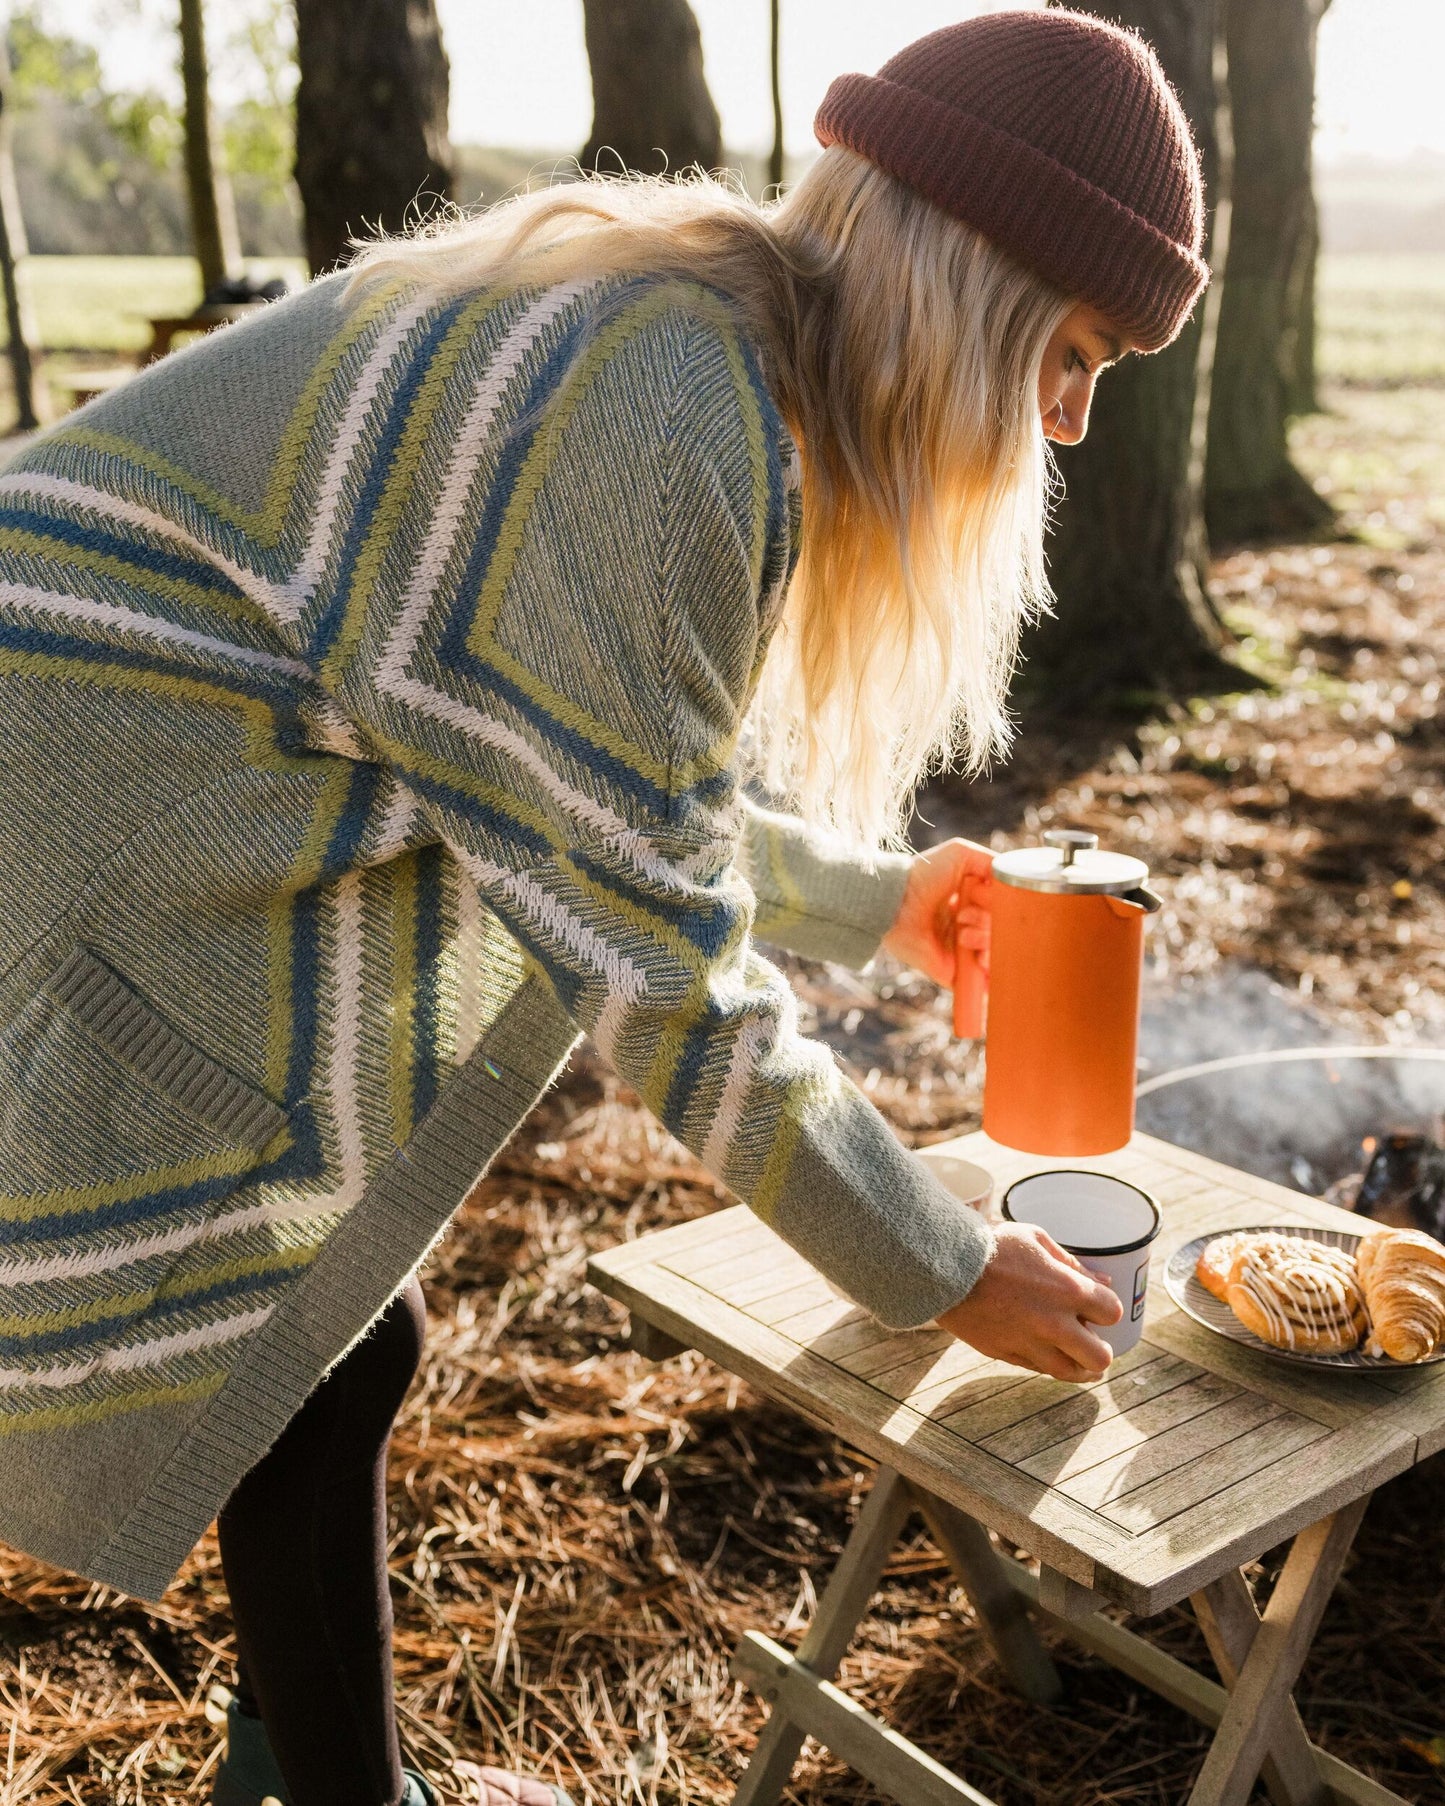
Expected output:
(371, 676)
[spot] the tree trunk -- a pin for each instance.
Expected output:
(1301, 391)
(651, 110)
(12, 248)
(372, 152)
(775, 64)
(1252, 489)
(213, 212)
(1128, 555)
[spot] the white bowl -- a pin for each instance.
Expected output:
(965, 1180)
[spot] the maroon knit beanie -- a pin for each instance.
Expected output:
(1056, 136)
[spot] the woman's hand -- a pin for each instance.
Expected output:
(1027, 1304)
(944, 908)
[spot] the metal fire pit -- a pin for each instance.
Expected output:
(1297, 1115)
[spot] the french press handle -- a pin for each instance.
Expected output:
(1070, 842)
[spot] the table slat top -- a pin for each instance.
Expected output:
(1191, 1455)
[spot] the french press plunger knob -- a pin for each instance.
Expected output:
(1071, 842)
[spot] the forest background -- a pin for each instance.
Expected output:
(98, 151)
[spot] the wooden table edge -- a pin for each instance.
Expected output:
(1156, 1580)
(1152, 1586)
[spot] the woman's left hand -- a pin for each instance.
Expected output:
(946, 898)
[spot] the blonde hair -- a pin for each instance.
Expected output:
(903, 350)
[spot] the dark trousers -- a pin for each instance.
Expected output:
(303, 1547)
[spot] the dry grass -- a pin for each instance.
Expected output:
(580, 1538)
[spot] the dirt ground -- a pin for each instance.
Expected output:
(580, 1537)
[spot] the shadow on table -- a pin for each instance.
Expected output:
(1099, 1441)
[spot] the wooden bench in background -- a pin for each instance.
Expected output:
(76, 387)
(81, 386)
(170, 327)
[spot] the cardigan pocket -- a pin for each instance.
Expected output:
(119, 1141)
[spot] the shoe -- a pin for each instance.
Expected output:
(248, 1774)
(496, 1788)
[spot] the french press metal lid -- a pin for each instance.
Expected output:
(1071, 863)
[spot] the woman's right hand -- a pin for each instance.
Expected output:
(1027, 1304)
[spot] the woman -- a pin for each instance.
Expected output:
(379, 679)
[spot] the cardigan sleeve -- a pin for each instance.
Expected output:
(813, 898)
(570, 725)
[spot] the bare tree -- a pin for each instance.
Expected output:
(213, 212)
(1301, 390)
(372, 151)
(1128, 553)
(651, 109)
(1252, 488)
(775, 64)
(12, 248)
(1302, 396)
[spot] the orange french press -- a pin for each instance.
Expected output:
(1062, 995)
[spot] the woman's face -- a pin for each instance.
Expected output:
(1084, 344)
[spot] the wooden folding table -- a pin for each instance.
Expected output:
(1159, 1483)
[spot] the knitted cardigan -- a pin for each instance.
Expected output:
(371, 676)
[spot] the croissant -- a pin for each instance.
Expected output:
(1402, 1275)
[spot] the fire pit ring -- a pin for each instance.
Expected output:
(1283, 1056)
(1306, 1117)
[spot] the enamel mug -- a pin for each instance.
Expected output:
(1104, 1222)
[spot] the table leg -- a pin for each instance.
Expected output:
(1229, 1619)
(1260, 1661)
(844, 1601)
(652, 1343)
(1000, 1608)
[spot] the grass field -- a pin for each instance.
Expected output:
(1376, 449)
(104, 303)
(1382, 318)
(1378, 455)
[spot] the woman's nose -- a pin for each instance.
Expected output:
(1067, 420)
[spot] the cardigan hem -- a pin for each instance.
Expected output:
(385, 1236)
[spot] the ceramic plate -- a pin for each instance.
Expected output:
(1215, 1314)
